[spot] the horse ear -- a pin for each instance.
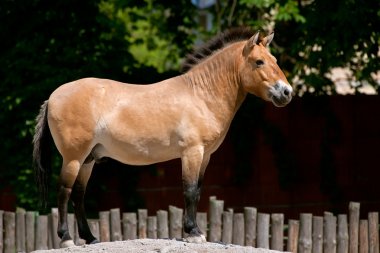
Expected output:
(250, 44)
(267, 40)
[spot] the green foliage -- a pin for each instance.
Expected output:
(335, 34)
(289, 12)
(281, 11)
(145, 39)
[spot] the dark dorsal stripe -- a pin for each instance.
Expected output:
(218, 42)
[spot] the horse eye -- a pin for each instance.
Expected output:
(259, 63)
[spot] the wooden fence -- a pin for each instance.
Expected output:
(27, 231)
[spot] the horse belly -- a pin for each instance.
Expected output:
(140, 135)
(136, 153)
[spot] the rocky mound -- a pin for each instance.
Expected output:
(157, 246)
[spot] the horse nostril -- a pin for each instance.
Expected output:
(286, 92)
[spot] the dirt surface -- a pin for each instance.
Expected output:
(157, 246)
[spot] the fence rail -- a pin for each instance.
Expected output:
(345, 233)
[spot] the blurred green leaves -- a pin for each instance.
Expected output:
(146, 43)
(288, 12)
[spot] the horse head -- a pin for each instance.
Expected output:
(260, 73)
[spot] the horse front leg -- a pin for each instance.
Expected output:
(194, 163)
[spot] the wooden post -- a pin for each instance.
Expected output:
(373, 230)
(76, 237)
(342, 237)
(293, 232)
(142, 216)
(30, 222)
(363, 236)
(305, 238)
(152, 227)
(71, 224)
(263, 230)
(227, 227)
(50, 239)
(329, 233)
(129, 226)
(175, 222)
(115, 225)
(9, 232)
(162, 224)
(238, 229)
(94, 227)
(42, 229)
(53, 228)
(104, 226)
(20, 230)
(250, 217)
(202, 222)
(317, 234)
(354, 209)
(2, 231)
(216, 211)
(277, 231)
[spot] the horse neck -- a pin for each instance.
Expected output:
(217, 80)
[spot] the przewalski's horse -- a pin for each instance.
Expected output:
(183, 117)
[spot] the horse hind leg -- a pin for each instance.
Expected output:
(77, 198)
(73, 170)
(67, 178)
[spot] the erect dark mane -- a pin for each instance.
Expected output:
(218, 42)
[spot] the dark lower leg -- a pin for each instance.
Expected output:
(77, 197)
(63, 198)
(191, 194)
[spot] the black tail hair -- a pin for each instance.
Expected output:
(42, 153)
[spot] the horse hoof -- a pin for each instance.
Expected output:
(67, 243)
(94, 241)
(196, 239)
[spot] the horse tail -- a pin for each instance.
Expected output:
(42, 141)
